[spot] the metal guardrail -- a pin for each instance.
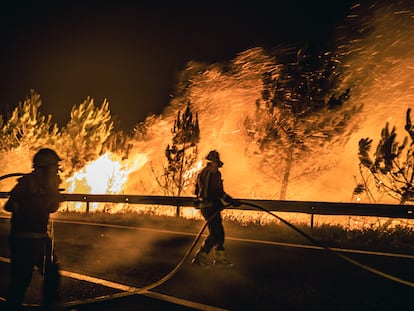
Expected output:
(308, 207)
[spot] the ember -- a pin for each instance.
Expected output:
(378, 67)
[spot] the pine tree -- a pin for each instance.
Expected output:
(181, 155)
(23, 131)
(85, 134)
(391, 171)
(300, 118)
(27, 128)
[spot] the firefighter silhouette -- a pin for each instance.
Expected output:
(210, 194)
(34, 197)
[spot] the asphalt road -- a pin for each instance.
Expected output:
(268, 275)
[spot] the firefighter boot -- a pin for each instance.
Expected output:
(220, 260)
(200, 259)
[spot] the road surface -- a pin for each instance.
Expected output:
(268, 274)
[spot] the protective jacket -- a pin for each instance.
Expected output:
(34, 197)
(31, 201)
(209, 191)
(209, 186)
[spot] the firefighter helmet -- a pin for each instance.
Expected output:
(213, 156)
(45, 157)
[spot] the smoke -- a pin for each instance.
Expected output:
(380, 70)
(129, 248)
(222, 100)
(375, 47)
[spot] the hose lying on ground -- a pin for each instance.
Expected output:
(342, 256)
(179, 265)
(164, 279)
(133, 290)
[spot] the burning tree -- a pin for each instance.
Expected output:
(392, 170)
(300, 119)
(181, 155)
(118, 142)
(85, 134)
(22, 132)
(27, 128)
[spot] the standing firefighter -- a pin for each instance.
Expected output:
(210, 193)
(35, 196)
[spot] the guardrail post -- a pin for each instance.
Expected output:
(312, 217)
(177, 211)
(87, 207)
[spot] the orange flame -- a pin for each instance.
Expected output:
(106, 175)
(380, 70)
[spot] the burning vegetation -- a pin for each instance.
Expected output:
(286, 121)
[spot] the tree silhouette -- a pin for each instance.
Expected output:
(181, 155)
(391, 171)
(300, 118)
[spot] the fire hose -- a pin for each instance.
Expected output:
(330, 250)
(156, 283)
(194, 243)
(134, 290)
(180, 264)
(12, 175)
(144, 289)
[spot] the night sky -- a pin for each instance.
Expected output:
(130, 53)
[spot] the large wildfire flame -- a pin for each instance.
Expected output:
(108, 174)
(379, 68)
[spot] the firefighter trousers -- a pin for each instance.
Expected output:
(26, 254)
(215, 237)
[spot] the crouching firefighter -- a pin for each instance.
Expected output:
(34, 197)
(210, 194)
